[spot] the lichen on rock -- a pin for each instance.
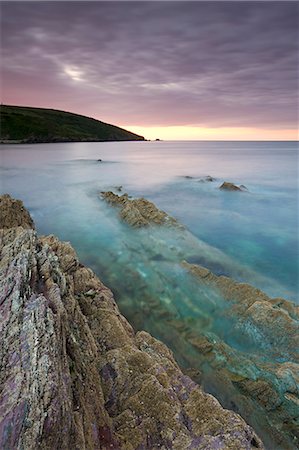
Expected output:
(74, 374)
(229, 336)
(13, 213)
(138, 212)
(265, 377)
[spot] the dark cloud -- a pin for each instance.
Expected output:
(155, 63)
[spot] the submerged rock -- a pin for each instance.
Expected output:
(233, 339)
(73, 372)
(206, 179)
(265, 375)
(276, 319)
(138, 212)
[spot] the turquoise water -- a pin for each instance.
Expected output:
(59, 184)
(251, 236)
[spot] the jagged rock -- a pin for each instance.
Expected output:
(276, 319)
(226, 186)
(267, 377)
(74, 375)
(138, 212)
(213, 326)
(13, 213)
(253, 347)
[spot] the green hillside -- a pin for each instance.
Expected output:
(32, 125)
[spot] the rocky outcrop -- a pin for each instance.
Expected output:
(263, 376)
(226, 186)
(207, 179)
(154, 228)
(231, 337)
(138, 212)
(257, 310)
(74, 374)
(13, 213)
(249, 362)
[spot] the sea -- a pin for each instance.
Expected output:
(249, 235)
(60, 185)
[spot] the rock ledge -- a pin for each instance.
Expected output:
(74, 374)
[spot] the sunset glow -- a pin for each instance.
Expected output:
(169, 70)
(230, 134)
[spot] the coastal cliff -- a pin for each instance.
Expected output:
(28, 125)
(74, 374)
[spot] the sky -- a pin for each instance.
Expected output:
(168, 70)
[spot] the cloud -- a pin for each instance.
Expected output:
(156, 63)
(74, 73)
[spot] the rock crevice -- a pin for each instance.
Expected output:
(74, 374)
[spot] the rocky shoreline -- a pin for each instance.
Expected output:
(74, 374)
(251, 361)
(138, 212)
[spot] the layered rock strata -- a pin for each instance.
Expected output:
(276, 319)
(74, 374)
(266, 373)
(156, 227)
(138, 212)
(231, 337)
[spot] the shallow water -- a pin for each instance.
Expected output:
(59, 183)
(251, 236)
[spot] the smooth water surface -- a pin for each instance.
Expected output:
(258, 229)
(251, 236)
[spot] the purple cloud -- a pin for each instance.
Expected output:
(155, 63)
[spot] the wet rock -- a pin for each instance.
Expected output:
(223, 337)
(277, 322)
(184, 245)
(226, 186)
(207, 179)
(235, 358)
(73, 372)
(265, 378)
(138, 212)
